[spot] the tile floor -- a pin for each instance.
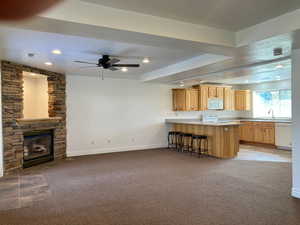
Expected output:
(254, 153)
(22, 191)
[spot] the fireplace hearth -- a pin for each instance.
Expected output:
(38, 147)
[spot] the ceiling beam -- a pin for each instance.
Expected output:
(284, 24)
(100, 16)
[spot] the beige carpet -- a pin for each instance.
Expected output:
(153, 187)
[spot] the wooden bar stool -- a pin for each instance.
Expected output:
(171, 140)
(201, 142)
(178, 140)
(186, 142)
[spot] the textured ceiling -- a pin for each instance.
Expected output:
(226, 14)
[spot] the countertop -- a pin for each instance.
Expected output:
(261, 120)
(199, 122)
(225, 122)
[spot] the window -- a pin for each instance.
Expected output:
(277, 103)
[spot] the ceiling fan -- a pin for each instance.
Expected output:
(106, 62)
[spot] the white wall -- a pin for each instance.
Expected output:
(115, 115)
(35, 96)
(296, 122)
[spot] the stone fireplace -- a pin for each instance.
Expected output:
(29, 141)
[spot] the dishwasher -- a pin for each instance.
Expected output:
(283, 136)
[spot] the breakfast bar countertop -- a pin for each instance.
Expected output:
(199, 122)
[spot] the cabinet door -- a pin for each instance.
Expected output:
(220, 92)
(179, 99)
(192, 99)
(243, 100)
(229, 99)
(258, 134)
(212, 92)
(269, 135)
(247, 132)
(203, 98)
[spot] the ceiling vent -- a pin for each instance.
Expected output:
(277, 51)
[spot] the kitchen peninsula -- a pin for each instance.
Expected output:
(223, 137)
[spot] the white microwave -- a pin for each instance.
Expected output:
(215, 104)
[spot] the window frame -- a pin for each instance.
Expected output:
(270, 90)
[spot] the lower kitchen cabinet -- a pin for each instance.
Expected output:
(258, 132)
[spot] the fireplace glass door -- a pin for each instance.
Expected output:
(38, 147)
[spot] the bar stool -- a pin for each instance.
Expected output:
(178, 140)
(172, 140)
(186, 142)
(200, 140)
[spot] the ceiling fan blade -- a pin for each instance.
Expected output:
(87, 67)
(128, 57)
(85, 62)
(114, 61)
(113, 68)
(126, 65)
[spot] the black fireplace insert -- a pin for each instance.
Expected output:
(38, 147)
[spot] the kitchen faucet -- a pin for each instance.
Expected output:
(271, 111)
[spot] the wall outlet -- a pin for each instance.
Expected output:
(133, 139)
(92, 142)
(108, 141)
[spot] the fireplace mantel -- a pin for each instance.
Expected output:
(25, 121)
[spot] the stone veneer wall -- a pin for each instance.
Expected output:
(12, 110)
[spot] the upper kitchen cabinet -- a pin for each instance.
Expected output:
(203, 98)
(229, 99)
(192, 99)
(179, 99)
(243, 100)
(185, 99)
(199, 98)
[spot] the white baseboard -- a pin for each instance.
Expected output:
(296, 193)
(111, 150)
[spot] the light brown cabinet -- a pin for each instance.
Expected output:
(258, 132)
(196, 99)
(192, 99)
(203, 98)
(179, 99)
(247, 132)
(220, 92)
(243, 100)
(209, 91)
(212, 91)
(185, 99)
(229, 99)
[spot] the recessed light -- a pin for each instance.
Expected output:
(146, 60)
(279, 66)
(48, 63)
(56, 52)
(181, 85)
(124, 69)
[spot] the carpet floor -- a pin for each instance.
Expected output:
(153, 187)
